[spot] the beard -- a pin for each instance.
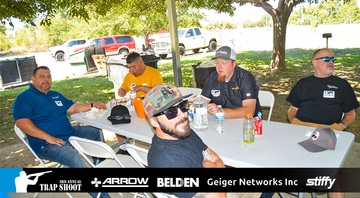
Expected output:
(175, 133)
(45, 87)
(221, 78)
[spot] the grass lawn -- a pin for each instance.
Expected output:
(298, 62)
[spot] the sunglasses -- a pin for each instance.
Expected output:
(327, 59)
(172, 112)
(122, 117)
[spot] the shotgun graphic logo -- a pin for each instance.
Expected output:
(23, 180)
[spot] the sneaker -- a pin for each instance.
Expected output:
(122, 152)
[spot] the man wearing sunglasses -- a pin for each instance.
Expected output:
(232, 87)
(322, 98)
(174, 144)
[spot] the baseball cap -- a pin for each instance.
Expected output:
(323, 138)
(225, 52)
(119, 115)
(161, 97)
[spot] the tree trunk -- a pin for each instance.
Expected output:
(280, 18)
(279, 38)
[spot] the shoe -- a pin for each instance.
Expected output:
(122, 152)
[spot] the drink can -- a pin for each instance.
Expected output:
(258, 126)
(113, 103)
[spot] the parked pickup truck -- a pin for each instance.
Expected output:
(59, 52)
(189, 39)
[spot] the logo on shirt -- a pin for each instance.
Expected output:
(59, 103)
(235, 88)
(332, 87)
(329, 94)
(215, 93)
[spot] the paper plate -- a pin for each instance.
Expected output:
(93, 113)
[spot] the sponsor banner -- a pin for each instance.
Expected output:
(179, 180)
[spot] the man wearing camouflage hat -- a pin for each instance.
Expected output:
(175, 144)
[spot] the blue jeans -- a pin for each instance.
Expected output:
(67, 155)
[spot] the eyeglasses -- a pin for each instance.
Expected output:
(327, 59)
(172, 112)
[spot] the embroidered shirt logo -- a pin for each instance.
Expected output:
(235, 88)
(332, 87)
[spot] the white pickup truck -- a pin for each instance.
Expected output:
(59, 52)
(189, 39)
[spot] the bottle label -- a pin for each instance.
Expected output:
(219, 116)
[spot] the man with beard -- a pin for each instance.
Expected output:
(42, 114)
(232, 87)
(174, 144)
(322, 98)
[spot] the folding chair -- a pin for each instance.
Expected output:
(140, 156)
(90, 148)
(23, 138)
(267, 99)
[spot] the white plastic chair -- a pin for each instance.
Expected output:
(90, 148)
(267, 99)
(189, 90)
(140, 156)
(23, 138)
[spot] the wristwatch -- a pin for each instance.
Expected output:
(345, 126)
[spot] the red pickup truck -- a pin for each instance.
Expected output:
(113, 45)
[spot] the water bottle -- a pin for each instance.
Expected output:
(248, 129)
(200, 114)
(219, 119)
(132, 94)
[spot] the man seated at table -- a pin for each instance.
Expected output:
(322, 98)
(232, 87)
(175, 144)
(144, 78)
(41, 113)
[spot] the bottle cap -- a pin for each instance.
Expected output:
(248, 114)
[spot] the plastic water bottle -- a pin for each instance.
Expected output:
(132, 94)
(248, 129)
(200, 114)
(219, 119)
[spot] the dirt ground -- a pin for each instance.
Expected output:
(15, 154)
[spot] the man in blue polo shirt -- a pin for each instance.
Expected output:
(42, 114)
(232, 87)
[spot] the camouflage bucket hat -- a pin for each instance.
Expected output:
(160, 98)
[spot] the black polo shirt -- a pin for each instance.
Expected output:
(241, 86)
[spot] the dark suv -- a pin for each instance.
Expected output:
(113, 45)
